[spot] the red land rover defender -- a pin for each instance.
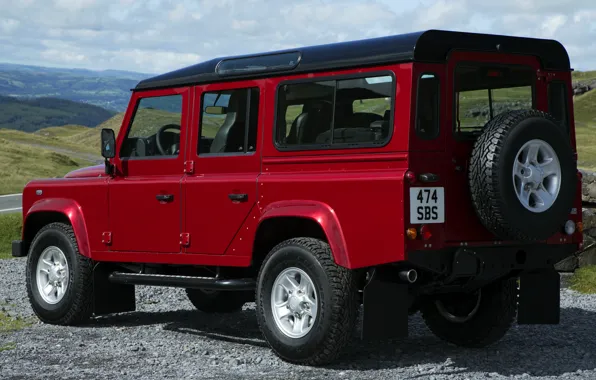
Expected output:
(432, 172)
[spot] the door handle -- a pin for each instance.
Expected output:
(238, 197)
(164, 197)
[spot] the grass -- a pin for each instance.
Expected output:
(584, 109)
(49, 140)
(586, 146)
(583, 75)
(584, 280)
(8, 324)
(10, 229)
(20, 163)
(585, 129)
(22, 157)
(61, 132)
(8, 346)
(91, 136)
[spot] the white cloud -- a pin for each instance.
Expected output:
(9, 25)
(441, 13)
(161, 35)
(551, 25)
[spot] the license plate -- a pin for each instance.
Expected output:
(427, 205)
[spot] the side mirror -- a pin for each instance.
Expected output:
(108, 148)
(108, 142)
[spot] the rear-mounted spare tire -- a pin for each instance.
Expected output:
(523, 176)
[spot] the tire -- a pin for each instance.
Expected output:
(334, 290)
(493, 316)
(493, 185)
(217, 301)
(76, 304)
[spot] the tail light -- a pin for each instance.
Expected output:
(425, 232)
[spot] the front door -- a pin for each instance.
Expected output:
(145, 196)
(222, 190)
(479, 87)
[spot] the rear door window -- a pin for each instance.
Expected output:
(229, 121)
(483, 92)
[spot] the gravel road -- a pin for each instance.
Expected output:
(167, 339)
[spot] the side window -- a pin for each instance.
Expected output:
(229, 121)
(330, 113)
(557, 103)
(155, 128)
(427, 107)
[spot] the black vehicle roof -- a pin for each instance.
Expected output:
(426, 46)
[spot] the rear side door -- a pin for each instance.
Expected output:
(145, 194)
(221, 190)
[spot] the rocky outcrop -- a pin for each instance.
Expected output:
(588, 255)
(581, 87)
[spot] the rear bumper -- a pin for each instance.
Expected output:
(19, 248)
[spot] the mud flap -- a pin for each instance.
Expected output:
(385, 304)
(108, 297)
(539, 298)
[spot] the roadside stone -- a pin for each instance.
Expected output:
(589, 219)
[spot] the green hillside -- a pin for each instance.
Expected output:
(20, 163)
(34, 114)
(585, 109)
(49, 152)
(585, 129)
(583, 75)
(64, 131)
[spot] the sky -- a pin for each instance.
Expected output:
(156, 36)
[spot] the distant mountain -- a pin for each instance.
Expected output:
(109, 89)
(31, 115)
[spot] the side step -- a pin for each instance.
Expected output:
(210, 283)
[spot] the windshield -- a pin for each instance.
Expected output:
(483, 92)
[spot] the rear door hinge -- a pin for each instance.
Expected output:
(106, 238)
(189, 167)
(185, 239)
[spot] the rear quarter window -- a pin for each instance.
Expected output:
(338, 113)
(557, 103)
(427, 106)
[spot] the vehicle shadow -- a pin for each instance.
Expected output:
(535, 350)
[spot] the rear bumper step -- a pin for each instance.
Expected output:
(209, 283)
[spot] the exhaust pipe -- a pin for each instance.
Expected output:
(409, 275)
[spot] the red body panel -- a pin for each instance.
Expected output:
(318, 212)
(91, 171)
(210, 217)
(84, 201)
(138, 221)
(73, 211)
